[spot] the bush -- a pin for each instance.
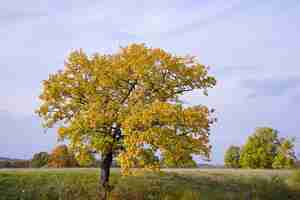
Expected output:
(40, 160)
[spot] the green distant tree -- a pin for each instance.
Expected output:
(265, 150)
(260, 149)
(285, 157)
(40, 160)
(232, 157)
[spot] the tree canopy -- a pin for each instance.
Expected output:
(127, 105)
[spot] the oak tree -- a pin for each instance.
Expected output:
(127, 105)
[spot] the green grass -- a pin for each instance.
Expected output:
(191, 184)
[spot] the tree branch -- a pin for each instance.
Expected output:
(132, 86)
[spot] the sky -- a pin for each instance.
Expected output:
(252, 48)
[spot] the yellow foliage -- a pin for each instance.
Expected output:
(135, 91)
(61, 157)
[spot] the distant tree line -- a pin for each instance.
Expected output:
(264, 149)
(14, 163)
(62, 157)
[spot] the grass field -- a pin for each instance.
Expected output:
(177, 184)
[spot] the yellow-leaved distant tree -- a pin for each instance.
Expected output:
(61, 157)
(127, 105)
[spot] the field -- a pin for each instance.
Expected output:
(177, 184)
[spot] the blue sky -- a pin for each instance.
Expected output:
(252, 47)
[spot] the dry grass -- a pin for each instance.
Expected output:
(185, 184)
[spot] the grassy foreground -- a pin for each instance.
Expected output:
(208, 184)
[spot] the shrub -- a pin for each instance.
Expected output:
(40, 159)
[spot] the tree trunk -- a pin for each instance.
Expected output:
(105, 168)
(105, 172)
(106, 163)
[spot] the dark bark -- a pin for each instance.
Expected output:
(105, 173)
(105, 168)
(106, 163)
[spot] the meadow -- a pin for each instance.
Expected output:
(177, 184)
